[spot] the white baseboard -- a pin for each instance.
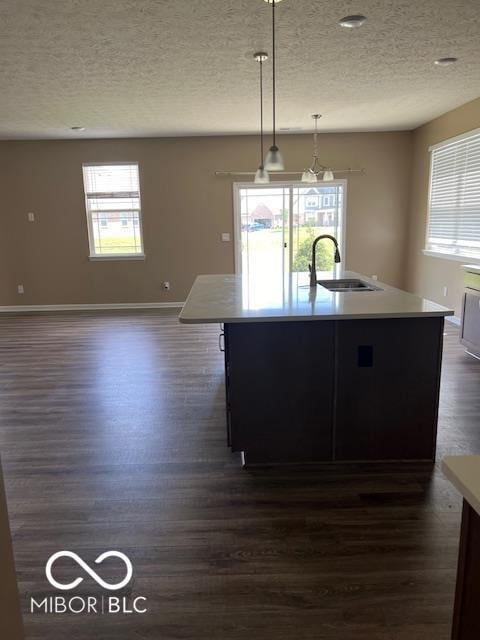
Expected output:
(33, 308)
(454, 320)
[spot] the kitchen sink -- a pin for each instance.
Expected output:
(347, 285)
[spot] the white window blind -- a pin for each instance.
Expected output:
(112, 195)
(454, 200)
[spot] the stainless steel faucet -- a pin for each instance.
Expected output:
(313, 267)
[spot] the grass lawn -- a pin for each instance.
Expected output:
(120, 244)
(271, 239)
(267, 246)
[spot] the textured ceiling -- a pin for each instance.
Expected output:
(180, 67)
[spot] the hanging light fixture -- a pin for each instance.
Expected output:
(261, 177)
(311, 175)
(274, 160)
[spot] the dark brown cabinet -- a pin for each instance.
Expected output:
(466, 621)
(11, 625)
(387, 389)
(280, 384)
(333, 390)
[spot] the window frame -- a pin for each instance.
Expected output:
(435, 253)
(93, 256)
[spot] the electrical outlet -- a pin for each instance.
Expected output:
(225, 237)
(445, 292)
(20, 288)
(375, 277)
(166, 286)
(31, 217)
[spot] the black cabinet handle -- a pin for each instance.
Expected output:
(221, 342)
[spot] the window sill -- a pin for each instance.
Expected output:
(450, 256)
(116, 256)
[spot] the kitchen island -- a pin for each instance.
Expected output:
(318, 374)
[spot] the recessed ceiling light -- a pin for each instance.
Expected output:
(351, 22)
(77, 128)
(445, 62)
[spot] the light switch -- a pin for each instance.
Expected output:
(31, 217)
(225, 237)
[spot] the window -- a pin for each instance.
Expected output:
(453, 228)
(112, 195)
(283, 243)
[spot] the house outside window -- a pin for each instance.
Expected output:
(112, 198)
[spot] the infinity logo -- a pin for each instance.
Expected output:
(87, 569)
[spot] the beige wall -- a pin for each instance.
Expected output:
(185, 210)
(427, 275)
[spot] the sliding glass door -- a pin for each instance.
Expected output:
(276, 224)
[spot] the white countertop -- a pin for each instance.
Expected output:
(233, 298)
(464, 473)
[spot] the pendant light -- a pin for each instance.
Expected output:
(261, 177)
(310, 175)
(274, 160)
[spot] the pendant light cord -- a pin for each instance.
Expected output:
(273, 69)
(261, 113)
(316, 166)
(315, 148)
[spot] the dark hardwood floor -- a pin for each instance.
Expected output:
(112, 433)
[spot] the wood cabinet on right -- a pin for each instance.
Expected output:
(388, 378)
(466, 621)
(11, 625)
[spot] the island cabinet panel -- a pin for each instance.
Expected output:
(387, 387)
(280, 386)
